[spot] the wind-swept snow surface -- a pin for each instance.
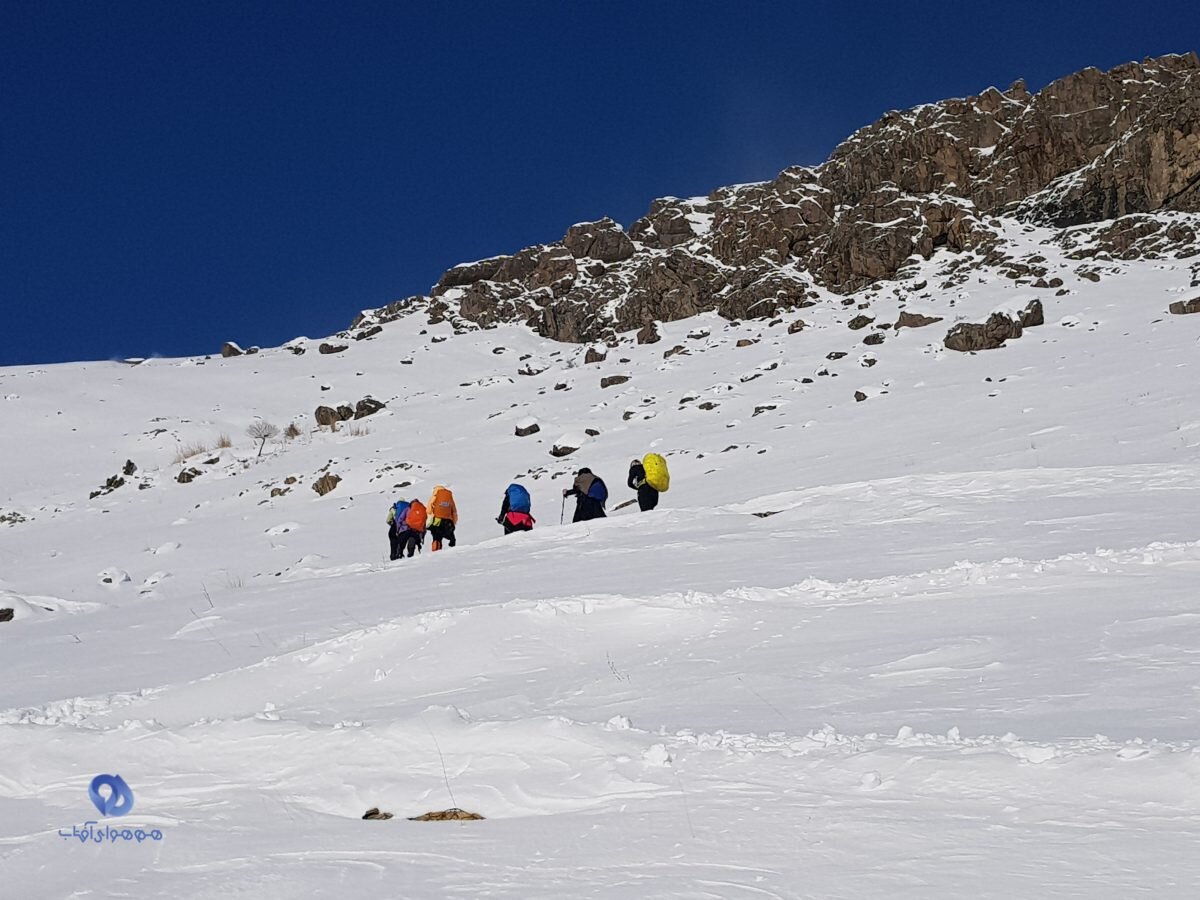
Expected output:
(939, 642)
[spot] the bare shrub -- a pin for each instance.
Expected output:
(224, 442)
(262, 431)
(292, 431)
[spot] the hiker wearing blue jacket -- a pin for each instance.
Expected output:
(590, 493)
(515, 510)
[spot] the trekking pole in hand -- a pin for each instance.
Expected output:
(563, 512)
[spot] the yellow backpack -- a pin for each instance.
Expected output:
(657, 475)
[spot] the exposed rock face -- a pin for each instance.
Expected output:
(326, 483)
(1090, 147)
(999, 327)
(915, 320)
(603, 240)
(367, 406)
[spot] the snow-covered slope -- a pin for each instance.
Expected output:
(939, 641)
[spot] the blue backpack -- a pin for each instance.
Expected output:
(401, 510)
(518, 498)
(598, 491)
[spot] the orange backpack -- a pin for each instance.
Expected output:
(442, 504)
(416, 516)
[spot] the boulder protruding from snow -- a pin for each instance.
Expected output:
(1185, 307)
(367, 406)
(915, 320)
(326, 483)
(526, 427)
(1000, 326)
(231, 349)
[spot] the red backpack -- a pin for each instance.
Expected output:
(415, 519)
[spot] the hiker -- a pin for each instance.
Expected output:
(590, 493)
(397, 529)
(415, 520)
(514, 510)
(647, 495)
(443, 516)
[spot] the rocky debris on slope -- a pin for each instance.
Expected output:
(327, 416)
(915, 320)
(613, 380)
(326, 483)
(332, 348)
(187, 476)
(231, 349)
(1185, 307)
(527, 427)
(7, 614)
(454, 814)
(1086, 148)
(368, 406)
(966, 337)
(374, 814)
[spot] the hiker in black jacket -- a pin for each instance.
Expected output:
(590, 493)
(647, 496)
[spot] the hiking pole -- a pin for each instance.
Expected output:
(563, 512)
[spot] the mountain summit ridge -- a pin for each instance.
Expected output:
(1089, 147)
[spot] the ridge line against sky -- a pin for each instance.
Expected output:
(177, 177)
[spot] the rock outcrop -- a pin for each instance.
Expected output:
(1088, 148)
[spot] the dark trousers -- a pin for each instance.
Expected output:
(410, 540)
(647, 498)
(509, 527)
(442, 531)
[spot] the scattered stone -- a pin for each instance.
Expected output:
(745, 342)
(297, 350)
(526, 427)
(594, 356)
(874, 339)
(860, 396)
(708, 404)
(591, 432)
(368, 333)
(345, 412)
(374, 814)
(129, 468)
(332, 348)
(561, 450)
(675, 351)
(6, 614)
(562, 386)
(326, 483)
(859, 322)
(231, 349)
(188, 475)
(915, 320)
(279, 491)
(649, 334)
(758, 410)
(1185, 307)
(613, 380)
(454, 814)
(291, 479)
(368, 406)
(797, 326)
(326, 416)
(836, 354)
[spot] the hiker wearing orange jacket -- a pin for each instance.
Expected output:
(443, 516)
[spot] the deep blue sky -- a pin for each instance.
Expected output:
(173, 175)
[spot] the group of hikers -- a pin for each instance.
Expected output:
(409, 520)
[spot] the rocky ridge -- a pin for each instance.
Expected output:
(1117, 152)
